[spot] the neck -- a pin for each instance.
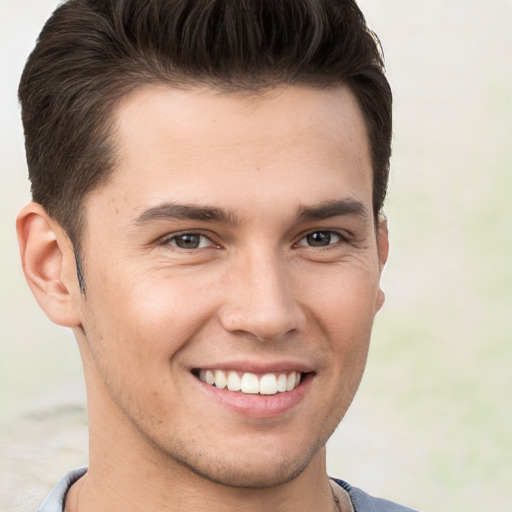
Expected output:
(128, 487)
(127, 484)
(127, 472)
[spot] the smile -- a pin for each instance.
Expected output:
(250, 383)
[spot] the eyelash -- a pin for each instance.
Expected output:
(168, 240)
(341, 237)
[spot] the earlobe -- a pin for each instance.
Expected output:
(48, 264)
(379, 301)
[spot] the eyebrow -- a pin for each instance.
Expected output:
(168, 211)
(334, 208)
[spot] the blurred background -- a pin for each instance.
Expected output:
(432, 424)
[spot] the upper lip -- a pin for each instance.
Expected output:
(257, 367)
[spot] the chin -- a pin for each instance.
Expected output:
(250, 471)
(250, 475)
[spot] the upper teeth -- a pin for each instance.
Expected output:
(268, 384)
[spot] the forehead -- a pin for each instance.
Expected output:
(214, 119)
(181, 144)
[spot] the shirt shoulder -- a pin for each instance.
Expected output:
(57, 497)
(363, 502)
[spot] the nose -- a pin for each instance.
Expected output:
(261, 301)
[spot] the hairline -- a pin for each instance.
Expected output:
(214, 85)
(217, 86)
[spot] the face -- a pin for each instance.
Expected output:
(232, 269)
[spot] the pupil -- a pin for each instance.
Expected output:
(188, 241)
(319, 239)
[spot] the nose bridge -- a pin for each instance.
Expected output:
(261, 302)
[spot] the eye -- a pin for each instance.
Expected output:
(320, 239)
(189, 241)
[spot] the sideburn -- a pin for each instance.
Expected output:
(80, 274)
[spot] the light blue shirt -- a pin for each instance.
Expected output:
(361, 501)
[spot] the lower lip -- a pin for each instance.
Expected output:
(259, 406)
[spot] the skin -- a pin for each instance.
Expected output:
(255, 294)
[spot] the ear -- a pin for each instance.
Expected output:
(382, 253)
(49, 265)
(382, 241)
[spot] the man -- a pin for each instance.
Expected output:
(208, 179)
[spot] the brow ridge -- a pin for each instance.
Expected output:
(325, 210)
(166, 211)
(334, 208)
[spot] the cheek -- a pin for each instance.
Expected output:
(343, 299)
(342, 308)
(145, 318)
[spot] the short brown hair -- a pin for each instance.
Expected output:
(90, 53)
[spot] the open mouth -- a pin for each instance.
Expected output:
(251, 383)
